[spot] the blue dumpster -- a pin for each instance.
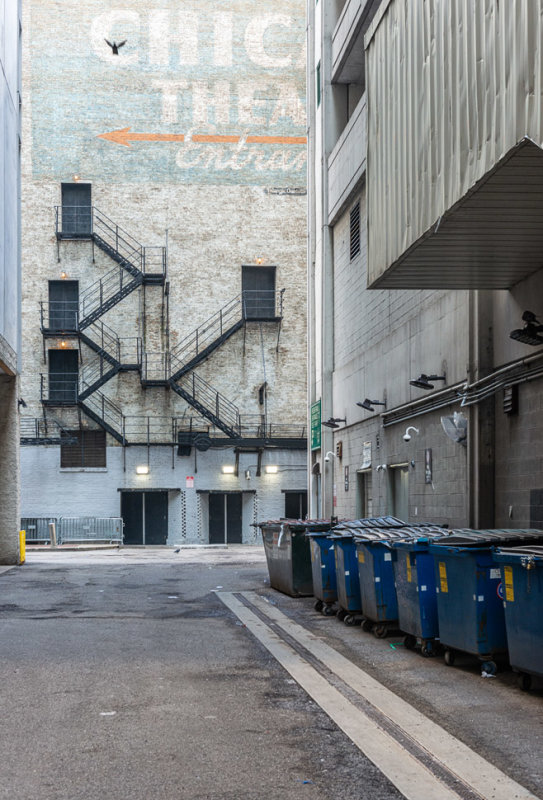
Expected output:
(323, 570)
(347, 578)
(376, 573)
(416, 590)
(288, 555)
(522, 580)
(469, 593)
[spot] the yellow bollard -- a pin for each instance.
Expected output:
(22, 547)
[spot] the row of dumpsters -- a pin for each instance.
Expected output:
(475, 592)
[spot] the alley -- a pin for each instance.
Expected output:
(152, 673)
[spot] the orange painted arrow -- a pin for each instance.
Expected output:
(124, 136)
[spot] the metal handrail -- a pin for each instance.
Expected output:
(211, 399)
(242, 307)
(59, 315)
(155, 366)
(61, 387)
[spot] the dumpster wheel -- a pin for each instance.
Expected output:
(380, 631)
(319, 605)
(329, 611)
(448, 657)
(427, 649)
(349, 619)
(524, 681)
(341, 614)
(489, 667)
(410, 641)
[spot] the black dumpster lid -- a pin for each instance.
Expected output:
(466, 537)
(297, 524)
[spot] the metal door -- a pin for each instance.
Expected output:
(399, 487)
(258, 285)
(63, 375)
(156, 517)
(132, 514)
(63, 305)
(225, 518)
(76, 210)
(145, 517)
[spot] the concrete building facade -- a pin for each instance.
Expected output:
(426, 201)
(164, 248)
(10, 276)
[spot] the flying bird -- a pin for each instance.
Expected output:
(115, 46)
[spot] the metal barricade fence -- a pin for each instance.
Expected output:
(90, 529)
(74, 529)
(37, 528)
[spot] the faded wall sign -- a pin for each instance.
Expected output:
(194, 91)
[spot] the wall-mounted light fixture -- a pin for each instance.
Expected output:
(407, 436)
(271, 469)
(247, 474)
(142, 469)
(425, 381)
(259, 261)
(76, 178)
(63, 275)
(332, 422)
(530, 334)
(228, 469)
(368, 404)
(63, 345)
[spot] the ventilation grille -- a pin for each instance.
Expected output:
(90, 450)
(355, 230)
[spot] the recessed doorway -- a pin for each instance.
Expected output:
(225, 511)
(145, 517)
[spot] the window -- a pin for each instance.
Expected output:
(355, 230)
(258, 287)
(90, 450)
(63, 376)
(318, 83)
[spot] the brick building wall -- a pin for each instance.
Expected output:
(215, 98)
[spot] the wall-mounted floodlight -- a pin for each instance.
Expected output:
(425, 381)
(530, 334)
(333, 422)
(271, 469)
(142, 469)
(368, 404)
(228, 469)
(407, 437)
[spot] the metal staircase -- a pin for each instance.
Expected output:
(106, 413)
(198, 345)
(209, 403)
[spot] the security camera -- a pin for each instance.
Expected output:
(327, 458)
(406, 437)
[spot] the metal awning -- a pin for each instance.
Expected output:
(490, 239)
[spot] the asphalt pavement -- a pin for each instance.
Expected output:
(127, 675)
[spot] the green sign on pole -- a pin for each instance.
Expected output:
(316, 425)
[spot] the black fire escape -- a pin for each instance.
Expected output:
(138, 266)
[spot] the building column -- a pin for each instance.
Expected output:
(9, 471)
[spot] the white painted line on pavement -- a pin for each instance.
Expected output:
(411, 777)
(482, 776)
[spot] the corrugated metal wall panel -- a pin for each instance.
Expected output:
(452, 85)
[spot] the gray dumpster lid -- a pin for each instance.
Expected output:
(527, 552)
(353, 525)
(406, 533)
(466, 537)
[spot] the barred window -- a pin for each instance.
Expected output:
(90, 450)
(355, 230)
